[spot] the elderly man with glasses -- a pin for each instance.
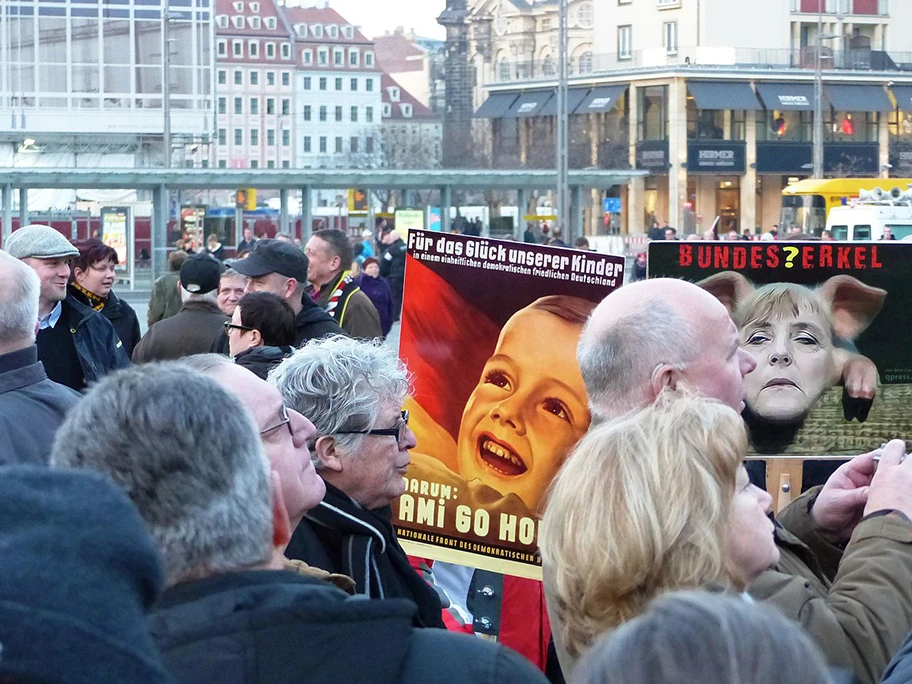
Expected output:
(353, 393)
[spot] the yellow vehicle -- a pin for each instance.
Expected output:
(807, 203)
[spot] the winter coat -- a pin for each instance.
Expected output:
(353, 311)
(191, 331)
(381, 296)
(392, 264)
(32, 407)
(856, 604)
(122, 317)
(277, 627)
(312, 323)
(166, 299)
(261, 360)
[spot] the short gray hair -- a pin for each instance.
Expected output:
(211, 296)
(617, 362)
(340, 383)
(189, 456)
(230, 273)
(18, 301)
(697, 636)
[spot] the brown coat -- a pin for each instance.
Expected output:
(856, 604)
(191, 331)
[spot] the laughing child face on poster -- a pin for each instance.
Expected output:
(529, 407)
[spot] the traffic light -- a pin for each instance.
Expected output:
(245, 198)
(357, 200)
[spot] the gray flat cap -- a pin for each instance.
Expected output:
(39, 242)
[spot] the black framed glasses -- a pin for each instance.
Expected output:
(285, 420)
(399, 431)
(229, 326)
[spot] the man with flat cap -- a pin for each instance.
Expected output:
(200, 320)
(281, 268)
(76, 344)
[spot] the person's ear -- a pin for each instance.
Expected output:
(327, 450)
(78, 274)
(664, 376)
(281, 525)
(256, 338)
(290, 286)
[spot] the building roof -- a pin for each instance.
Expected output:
(420, 113)
(250, 9)
(347, 35)
(325, 16)
(398, 53)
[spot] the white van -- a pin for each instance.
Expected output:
(876, 210)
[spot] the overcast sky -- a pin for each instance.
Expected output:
(375, 17)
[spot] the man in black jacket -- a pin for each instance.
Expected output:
(76, 343)
(392, 267)
(32, 407)
(197, 474)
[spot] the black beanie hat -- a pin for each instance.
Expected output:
(78, 572)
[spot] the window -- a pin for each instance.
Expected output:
(254, 105)
(369, 114)
(254, 164)
(238, 136)
(584, 15)
(286, 164)
(670, 37)
(254, 136)
(223, 163)
(238, 6)
(254, 22)
(546, 25)
(503, 69)
(369, 85)
(338, 113)
(222, 136)
(307, 112)
(222, 106)
(307, 57)
(625, 42)
(348, 31)
(585, 63)
(354, 144)
(254, 7)
(286, 138)
(270, 137)
(407, 111)
(354, 57)
(307, 83)
(237, 48)
(238, 105)
(369, 144)
(322, 83)
(368, 59)
(354, 85)
(222, 48)
(270, 50)
(394, 94)
(307, 143)
(254, 47)
(322, 112)
(254, 78)
(222, 21)
(286, 50)
(354, 114)
(270, 78)
(238, 78)
(302, 30)
(668, 3)
(270, 105)
(286, 78)
(338, 57)
(317, 31)
(238, 22)
(323, 56)
(653, 112)
(286, 106)
(222, 77)
(323, 144)
(332, 31)
(387, 110)
(271, 24)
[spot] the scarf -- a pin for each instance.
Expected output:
(96, 302)
(371, 555)
(344, 280)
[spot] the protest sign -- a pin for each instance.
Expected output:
(489, 330)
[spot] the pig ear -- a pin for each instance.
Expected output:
(853, 303)
(729, 287)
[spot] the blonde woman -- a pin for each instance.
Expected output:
(654, 502)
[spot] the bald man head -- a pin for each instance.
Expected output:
(19, 293)
(658, 334)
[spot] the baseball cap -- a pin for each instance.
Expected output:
(39, 242)
(200, 274)
(274, 256)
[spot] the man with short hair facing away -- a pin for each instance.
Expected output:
(353, 391)
(392, 267)
(845, 569)
(213, 503)
(197, 324)
(281, 268)
(165, 300)
(76, 344)
(330, 255)
(32, 406)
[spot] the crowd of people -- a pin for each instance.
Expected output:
(212, 501)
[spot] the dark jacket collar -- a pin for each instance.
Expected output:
(19, 358)
(201, 305)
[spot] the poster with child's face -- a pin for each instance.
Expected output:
(489, 331)
(824, 322)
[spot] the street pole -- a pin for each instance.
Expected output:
(166, 81)
(563, 121)
(818, 97)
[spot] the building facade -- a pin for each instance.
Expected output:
(254, 85)
(718, 109)
(412, 133)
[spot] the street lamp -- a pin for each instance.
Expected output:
(563, 121)
(818, 93)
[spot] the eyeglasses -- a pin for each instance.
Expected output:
(286, 420)
(229, 326)
(400, 432)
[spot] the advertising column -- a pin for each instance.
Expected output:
(117, 232)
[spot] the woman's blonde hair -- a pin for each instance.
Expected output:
(641, 508)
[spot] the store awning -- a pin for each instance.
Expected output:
(858, 98)
(529, 104)
(722, 95)
(497, 105)
(787, 97)
(601, 99)
(574, 97)
(903, 95)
